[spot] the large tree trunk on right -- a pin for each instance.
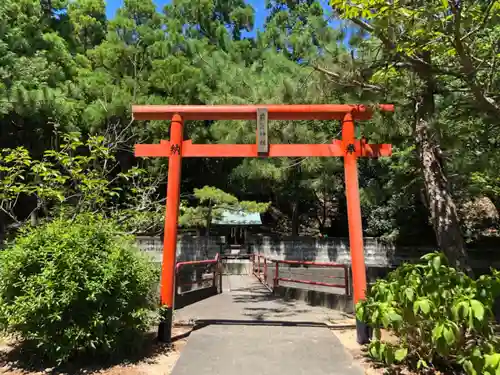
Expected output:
(440, 201)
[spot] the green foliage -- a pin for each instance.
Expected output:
(213, 203)
(212, 195)
(79, 176)
(78, 71)
(440, 316)
(438, 52)
(448, 44)
(68, 287)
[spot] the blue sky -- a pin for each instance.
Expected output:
(258, 5)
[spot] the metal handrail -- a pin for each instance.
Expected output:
(262, 275)
(217, 270)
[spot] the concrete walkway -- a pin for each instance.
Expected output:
(253, 333)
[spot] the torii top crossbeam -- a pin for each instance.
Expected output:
(248, 112)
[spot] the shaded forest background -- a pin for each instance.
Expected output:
(69, 75)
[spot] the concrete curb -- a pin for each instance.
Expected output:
(200, 323)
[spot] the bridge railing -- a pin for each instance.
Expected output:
(301, 274)
(198, 275)
(259, 267)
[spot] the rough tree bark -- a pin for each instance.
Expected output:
(442, 208)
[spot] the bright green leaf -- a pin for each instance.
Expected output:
(437, 332)
(477, 309)
(422, 304)
(469, 368)
(492, 360)
(410, 294)
(422, 364)
(400, 354)
(436, 263)
(449, 335)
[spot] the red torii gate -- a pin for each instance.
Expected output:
(177, 148)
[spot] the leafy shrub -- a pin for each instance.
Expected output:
(441, 317)
(73, 287)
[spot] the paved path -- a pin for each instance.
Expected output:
(260, 335)
(245, 298)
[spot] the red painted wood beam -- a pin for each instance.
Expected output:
(249, 112)
(250, 150)
(354, 212)
(170, 233)
(190, 150)
(161, 149)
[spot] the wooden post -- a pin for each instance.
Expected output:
(171, 221)
(354, 218)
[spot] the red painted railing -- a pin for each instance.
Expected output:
(261, 264)
(205, 277)
(260, 267)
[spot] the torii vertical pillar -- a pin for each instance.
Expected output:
(170, 233)
(354, 220)
(176, 148)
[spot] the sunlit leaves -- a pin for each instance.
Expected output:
(422, 305)
(80, 182)
(89, 22)
(436, 311)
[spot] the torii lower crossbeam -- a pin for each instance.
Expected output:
(176, 148)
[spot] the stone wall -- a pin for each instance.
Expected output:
(188, 247)
(377, 254)
(313, 249)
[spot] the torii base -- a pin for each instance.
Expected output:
(363, 333)
(165, 326)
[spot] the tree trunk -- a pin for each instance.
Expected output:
(295, 219)
(442, 208)
(207, 232)
(34, 217)
(324, 211)
(3, 228)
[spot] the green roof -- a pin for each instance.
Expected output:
(238, 218)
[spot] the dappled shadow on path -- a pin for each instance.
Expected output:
(255, 298)
(263, 305)
(258, 294)
(261, 313)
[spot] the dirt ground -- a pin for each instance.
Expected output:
(160, 362)
(348, 338)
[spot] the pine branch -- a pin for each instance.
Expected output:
(487, 103)
(415, 62)
(336, 79)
